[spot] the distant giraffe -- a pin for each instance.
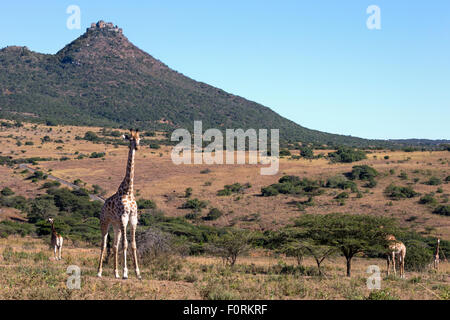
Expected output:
(436, 256)
(57, 241)
(396, 249)
(120, 209)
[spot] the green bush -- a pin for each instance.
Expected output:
(346, 155)
(6, 191)
(340, 182)
(342, 195)
(269, 191)
(146, 204)
(434, 181)
(418, 255)
(362, 172)
(292, 185)
(306, 152)
(213, 214)
(443, 210)
(95, 155)
(428, 199)
(195, 204)
(233, 188)
(398, 192)
(91, 136)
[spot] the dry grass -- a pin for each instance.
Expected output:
(27, 271)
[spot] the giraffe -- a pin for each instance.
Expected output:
(120, 209)
(396, 249)
(57, 240)
(436, 256)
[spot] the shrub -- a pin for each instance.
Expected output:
(95, 155)
(434, 181)
(372, 183)
(6, 191)
(443, 210)
(188, 193)
(346, 155)
(403, 175)
(398, 192)
(342, 195)
(51, 184)
(91, 136)
(194, 204)
(233, 188)
(269, 191)
(306, 152)
(213, 214)
(428, 199)
(292, 185)
(340, 182)
(284, 153)
(155, 247)
(363, 172)
(146, 204)
(37, 175)
(418, 255)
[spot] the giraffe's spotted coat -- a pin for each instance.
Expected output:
(120, 209)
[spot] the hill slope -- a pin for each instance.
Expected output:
(102, 79)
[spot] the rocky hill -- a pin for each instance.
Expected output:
(102, 79)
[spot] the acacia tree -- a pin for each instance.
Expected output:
(297, 243)
(230, 245)
(351, 234)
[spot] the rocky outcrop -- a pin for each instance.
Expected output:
(102, 25)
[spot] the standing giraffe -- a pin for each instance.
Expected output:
(436, 256)
(120, 209)
(57, 240)
(396, 248)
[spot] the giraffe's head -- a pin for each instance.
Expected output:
(390, 237)
(134, 139)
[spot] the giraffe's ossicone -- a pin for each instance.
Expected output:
(119, 210)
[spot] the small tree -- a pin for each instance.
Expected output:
(351, 234)
(231, 245)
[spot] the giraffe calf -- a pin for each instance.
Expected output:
(57, 241)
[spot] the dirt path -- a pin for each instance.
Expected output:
(64, 182)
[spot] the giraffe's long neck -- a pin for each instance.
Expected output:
(128, 182)
(437, 248)
(53, 230)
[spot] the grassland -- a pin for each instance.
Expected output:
(29, 272)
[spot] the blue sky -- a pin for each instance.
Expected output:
(314, 62)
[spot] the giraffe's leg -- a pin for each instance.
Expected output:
(133, 245)
(117, 235)
(388, 265)
(54, 251)
(393, 263)
(124, 245)
(104, 228)
(60, 249)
